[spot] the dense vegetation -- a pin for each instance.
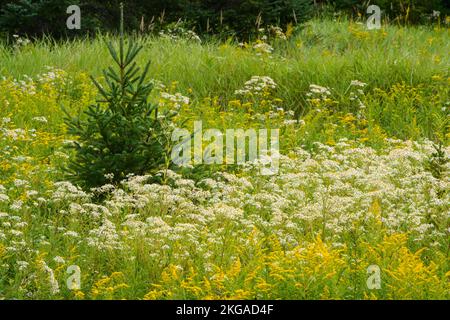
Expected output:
(223, 17)
(363, 181)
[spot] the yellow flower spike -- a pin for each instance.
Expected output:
(375, 209)
(263, 286)
(372, 296)
(153, 295)
(2, 250)
(235, 268)
(120, 286)
(79, 295)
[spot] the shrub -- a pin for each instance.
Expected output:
(123, 133)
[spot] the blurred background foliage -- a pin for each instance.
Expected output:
(218, 17)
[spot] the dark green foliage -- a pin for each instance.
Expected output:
(35, 17)
(412, 11)
(123, 133)
(437, 161)
(243, 17)
(403, 11)
(224, 17)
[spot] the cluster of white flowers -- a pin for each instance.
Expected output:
(14, 134)
(256, 86)
(180, 34)
(41, 119)
(357, 83)
(53, 283)
(12, 227)
(52, 75)
(4, 197)
(357, 95)
(66, 190)
(334, 189)
(176, 100)
(20, 42)
(262, 48)
(29, 85)
(277, 32)
(331, 190)
(316, 91)
(105, 237)
(6, 120)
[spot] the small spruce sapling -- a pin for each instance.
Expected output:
(123, 133)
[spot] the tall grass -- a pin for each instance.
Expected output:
(324, 52)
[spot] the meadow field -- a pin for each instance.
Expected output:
(359, 208)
